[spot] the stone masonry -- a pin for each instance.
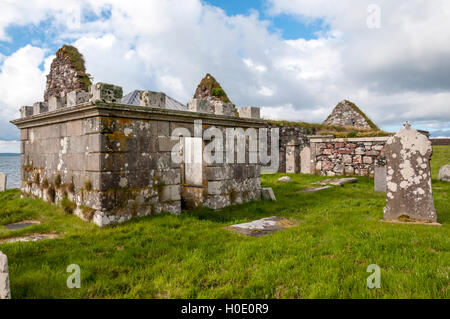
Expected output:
(67, 73)
(346, 156)
(5, 292)
(348, 114)
(109, 162)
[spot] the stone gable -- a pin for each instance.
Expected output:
(348, 114)
(67, 73)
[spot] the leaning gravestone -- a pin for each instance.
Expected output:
(5, 292)
(408, 180)
(2, 182)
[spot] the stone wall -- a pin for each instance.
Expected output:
(294, 135)
(109, 162)
(347, 156)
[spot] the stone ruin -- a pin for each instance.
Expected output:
(409, 193)
(67, 74)
(108, 158)
(347, 113)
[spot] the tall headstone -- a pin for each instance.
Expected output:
(5, 292)
(292, 157)
(408, 179)
(2, 182)
(380, 179)
(305, 160)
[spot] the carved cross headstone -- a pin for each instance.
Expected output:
(408, 180)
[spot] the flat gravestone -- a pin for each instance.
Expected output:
(262, 226)
(337, 181)
(315, 189)
(2, 182)
(22, 224)
(380, 179)
(409, 192)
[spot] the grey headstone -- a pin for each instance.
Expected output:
(380, 179)
(444, 173)
(3, 178)
(5, 292)
(409, 192)
(292, 158)
(267, 194)
(305, 161)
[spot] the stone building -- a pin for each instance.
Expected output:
(347, 113)
(108, 158)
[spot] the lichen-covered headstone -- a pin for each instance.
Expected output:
(2, 182)
(408, 180)
(5, 292)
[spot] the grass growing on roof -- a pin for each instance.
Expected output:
(194, 256)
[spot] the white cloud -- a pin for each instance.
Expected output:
(9, 146)
(401, 71)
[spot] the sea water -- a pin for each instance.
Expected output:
(10, 165)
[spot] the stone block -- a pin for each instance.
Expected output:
(221, 108)
(218, 201)
(5, 292)
(163, 128)
(347, 159)
(105, 92)
(170, 193)
(3, 179)
(169, 177)
(24, 134)
(267, 194)
(380, 179)
(77, 97)
(218, 187)
(201, 106)
(56, 102)
(367, 160)
(152, 99)
(249, 112)
(217, 173)
(166, 144)
(40, 107)
(26, 111)
(74, 128)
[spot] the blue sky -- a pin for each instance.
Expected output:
(288, 26)
(296, 59)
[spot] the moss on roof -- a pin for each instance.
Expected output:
(77, 61)
(210, 84)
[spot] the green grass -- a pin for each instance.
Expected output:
(193, 256)
(440, 157)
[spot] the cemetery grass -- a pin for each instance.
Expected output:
(193, 256)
